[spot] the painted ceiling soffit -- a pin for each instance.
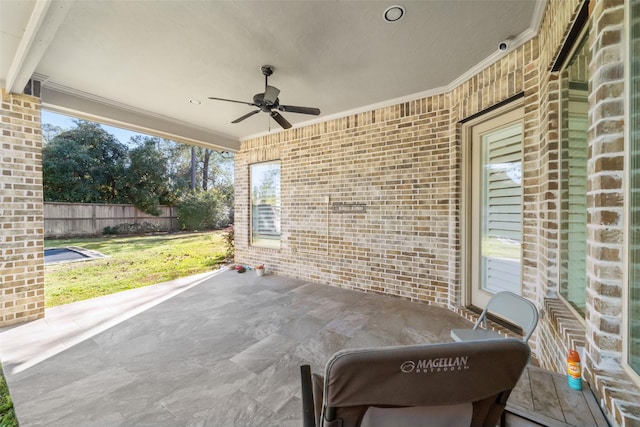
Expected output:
(79, 104)
(48, 16)
(515, 43)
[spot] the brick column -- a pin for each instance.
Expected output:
(605, 225)
(21, 211)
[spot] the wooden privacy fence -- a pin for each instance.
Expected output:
(89, 219)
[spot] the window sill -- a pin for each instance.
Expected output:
(565, 323)
(613, 388)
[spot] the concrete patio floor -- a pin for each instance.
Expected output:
(219, 349)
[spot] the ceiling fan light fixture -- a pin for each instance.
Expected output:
(393, 13)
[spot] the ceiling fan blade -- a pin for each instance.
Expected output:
(246, 116)
(281, 120)
(301, 110)
(271, 95)
(233, 100)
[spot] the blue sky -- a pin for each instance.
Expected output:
(66, 122)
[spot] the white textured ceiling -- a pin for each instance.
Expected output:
(144, 60)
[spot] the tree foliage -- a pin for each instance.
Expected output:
(200, 210)
(148, 183)
(86, 164)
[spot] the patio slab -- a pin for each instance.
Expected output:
(218, 349)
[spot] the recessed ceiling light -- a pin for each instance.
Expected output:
(195, 101)
(393, 13)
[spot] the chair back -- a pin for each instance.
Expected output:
(512, 308)
(461, 383)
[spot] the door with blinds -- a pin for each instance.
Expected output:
(496, 207)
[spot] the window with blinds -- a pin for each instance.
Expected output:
(573, 178)
(265, 204)
(493, 191)
(502, 208)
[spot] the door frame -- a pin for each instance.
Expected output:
(512, 111)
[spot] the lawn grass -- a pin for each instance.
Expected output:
(7, 416)
(133, 262)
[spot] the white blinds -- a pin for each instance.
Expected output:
(502, 210)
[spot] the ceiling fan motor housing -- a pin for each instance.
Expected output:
(266, 106)
(267, 70)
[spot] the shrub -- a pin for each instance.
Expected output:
(228, 238)
(109, 230)
(134, 228)
(7, 415)
(202, 210)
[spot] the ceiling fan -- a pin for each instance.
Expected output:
(270, 103)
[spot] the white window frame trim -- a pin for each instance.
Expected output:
(466, 211)
(584, 32)
(635, 376)
(251, 233)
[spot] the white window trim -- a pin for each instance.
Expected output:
(635, 376)
(251, 231)
(585, 32)
(466, 211)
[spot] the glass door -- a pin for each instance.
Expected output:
(496, 207)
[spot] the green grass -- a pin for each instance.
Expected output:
(133, 262)
(7, 416)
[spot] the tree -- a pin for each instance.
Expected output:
(202, 168)
(148, 183)
(84, 165)
(50, 131)
(192, 185)
(201, 210)
(205, 169)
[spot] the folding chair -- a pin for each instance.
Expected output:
(508, 306)
(452, 384)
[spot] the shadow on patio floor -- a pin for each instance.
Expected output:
(219, 349)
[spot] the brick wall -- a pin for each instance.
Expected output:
(404, 163)
(556, 318)
(21, 207)
(605, 225)
(397, 162)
